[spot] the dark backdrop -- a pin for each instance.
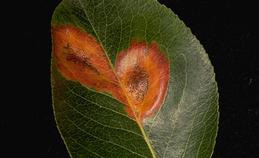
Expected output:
(227, 29)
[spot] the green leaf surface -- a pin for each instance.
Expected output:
(95, 125)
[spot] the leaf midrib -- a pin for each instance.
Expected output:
(111, 65)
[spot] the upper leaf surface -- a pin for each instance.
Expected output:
(93, 124)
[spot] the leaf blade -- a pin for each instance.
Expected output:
(190, 67)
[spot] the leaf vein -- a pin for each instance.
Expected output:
(86, 148)
(100, 122)
(107, 141)
(98, 104)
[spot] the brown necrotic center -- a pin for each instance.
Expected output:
(138, 83)
(82, 61)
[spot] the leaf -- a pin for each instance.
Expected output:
(130, 80)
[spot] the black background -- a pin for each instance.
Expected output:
(227, 29)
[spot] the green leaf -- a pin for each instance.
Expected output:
(94, 123)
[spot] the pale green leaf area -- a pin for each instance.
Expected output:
(94, 125)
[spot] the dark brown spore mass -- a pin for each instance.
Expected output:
(138, 83)
(83, 61)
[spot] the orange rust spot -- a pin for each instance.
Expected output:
(142, 71)
(80, 57)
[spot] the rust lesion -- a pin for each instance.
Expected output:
(79, 57)
(144, 72)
